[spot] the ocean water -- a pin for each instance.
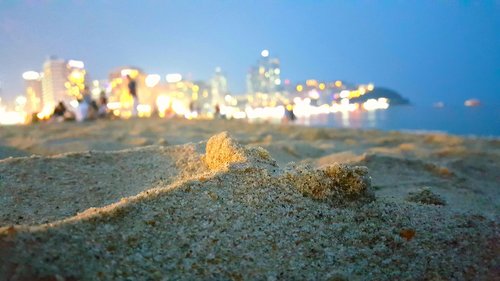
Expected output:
(483, 121)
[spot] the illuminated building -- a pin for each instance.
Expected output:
(62, 81)
(76, 78)
(218, 86)
(53, 88)
(181, 97)
(33, 84)
(265, 76)
(119, 97)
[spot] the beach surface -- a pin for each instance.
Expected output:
(157, 199)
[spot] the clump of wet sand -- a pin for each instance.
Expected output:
(425, 196)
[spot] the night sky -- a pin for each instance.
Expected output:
(436, 50)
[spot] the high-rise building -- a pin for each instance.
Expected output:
(63, 81)
(33, 85)
(265, 76)
(218, 86)
(54, 76)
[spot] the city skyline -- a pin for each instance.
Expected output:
(428, 52)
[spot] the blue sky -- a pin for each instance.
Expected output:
(439, 50)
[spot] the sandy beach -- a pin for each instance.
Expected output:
(157, 199)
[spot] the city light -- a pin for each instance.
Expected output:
(239, 115)
(114, 105)
(179, 107)
(21, 100)
(344, 94)
(152, 80)
(133, 73)
(312, 83)
(11, 117)
(354, 94)
(373, 104)
(46, 112)
(76, 64)
(313, 94)
(265, 112)
(144, 110)
(76, 76)
(177, 96)
(96, 92)
(162, 103)
(173, 77)
(31, 75)
(472, 102)
(344, 106)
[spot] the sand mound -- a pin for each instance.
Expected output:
(222, 151)
(425, 196)
(338, 184)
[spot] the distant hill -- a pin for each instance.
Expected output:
(380, 92)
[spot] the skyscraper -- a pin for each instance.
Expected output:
(218, 86)
(54, 76)
(62, 81)
(265, 76)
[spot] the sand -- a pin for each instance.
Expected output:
(225, 200)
